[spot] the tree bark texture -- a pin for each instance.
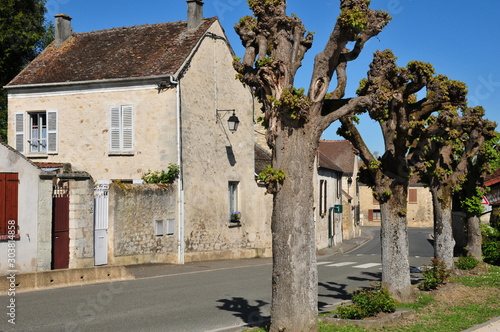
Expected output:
(474, 237)
(444, 243)
(395, 249)
(295, 279)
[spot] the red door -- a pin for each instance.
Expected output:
(8, 201)
(60, 227)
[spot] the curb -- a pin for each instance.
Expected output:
(490, 326)
(27, 282)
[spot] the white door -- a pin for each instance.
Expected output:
(101, 203)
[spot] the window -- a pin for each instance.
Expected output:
(170, 226)
(122, 128)
(38, 133)
(158, 227)
(374, 215)
(322, 197)
(412, 196)
(41, 132)
(8, 203)
(233, 197)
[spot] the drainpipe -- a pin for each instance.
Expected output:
(180, 198)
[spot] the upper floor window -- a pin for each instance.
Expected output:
(412, 196)
(38, 133)
(38, 130)
(122, 128)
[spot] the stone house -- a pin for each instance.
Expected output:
(327, 202)
(341, 153)
(116, 103)
(419, 214)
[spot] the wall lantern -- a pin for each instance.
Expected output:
(232, 122)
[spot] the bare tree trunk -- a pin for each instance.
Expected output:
(443, 230)
(395, 249)
(474, 237)
(295, 279)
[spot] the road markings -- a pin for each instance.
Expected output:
(322, 263)
(367, 266)
(342, 264)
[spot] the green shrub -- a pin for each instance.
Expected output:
(434, 275)
(491, 244)
(367, 303)
(466, 263)
(162, 177)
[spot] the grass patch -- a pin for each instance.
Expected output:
(491, 279)
(463, 303)
(423, 301)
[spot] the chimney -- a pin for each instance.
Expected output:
(195, 14)
(63, 28)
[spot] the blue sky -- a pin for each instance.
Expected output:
(461, 39)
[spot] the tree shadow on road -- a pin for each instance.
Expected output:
(250, 314)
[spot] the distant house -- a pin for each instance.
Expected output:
(327, 202)
(116, 103)
(419, 214)
(341, 153)
(493, 197)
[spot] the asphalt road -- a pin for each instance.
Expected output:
(203, 296)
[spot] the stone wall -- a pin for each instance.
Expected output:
(44, 253)
(134, 210)
(81, 219)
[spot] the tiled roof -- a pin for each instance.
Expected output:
(262, 159)
(491, 179)
(326, 162)
(128, 52)
(341, 153)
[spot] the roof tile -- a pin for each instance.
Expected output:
(128, 52)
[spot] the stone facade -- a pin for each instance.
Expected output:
(327, 194)
(419, 213)
(177, 123)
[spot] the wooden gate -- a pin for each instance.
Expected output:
(60, 226)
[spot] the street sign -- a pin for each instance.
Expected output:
(484, 201)
(337, 208)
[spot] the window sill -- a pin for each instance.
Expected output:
(8, 237)
(37, 156)
(121, 154)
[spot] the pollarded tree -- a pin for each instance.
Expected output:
(446, 148)
(473, 189)
(275, 46)
(400, 116)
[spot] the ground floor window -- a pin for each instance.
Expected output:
(374, 215)
(233, 197)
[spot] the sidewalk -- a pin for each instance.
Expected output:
(490, 326)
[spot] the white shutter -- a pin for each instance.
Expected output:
(19, 124)
(114, 132)
(52, 124)
(128, 128)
